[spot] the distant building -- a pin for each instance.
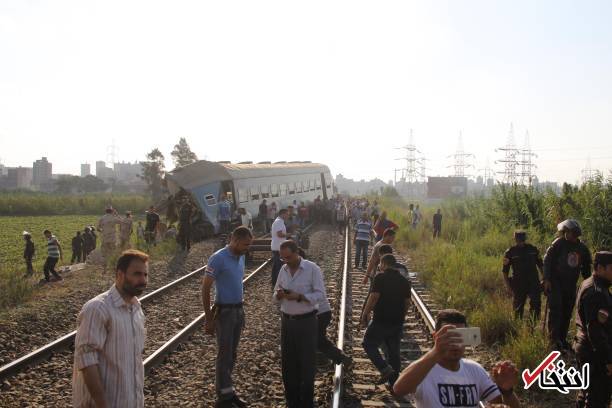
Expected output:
(42, 170)
(127, 172)
(85, 169)
(103, 172)
(356, 188)
(446, 187)
(19, 178)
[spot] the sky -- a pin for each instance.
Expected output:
(340, 83)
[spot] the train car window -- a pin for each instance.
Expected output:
(254, 193)
(298, 188)
(312, 185)
(291, 188)
(265, 191)
(318, 184)
(243, 195)
(283, 189)
(210, 199)
(274, 190)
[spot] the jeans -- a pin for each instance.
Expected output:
(388, 335)
(361, 253)
(49, 267)
(276, 265)
(228, 325)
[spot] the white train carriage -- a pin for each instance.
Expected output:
(247, 184)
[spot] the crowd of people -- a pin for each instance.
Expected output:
(442, 377)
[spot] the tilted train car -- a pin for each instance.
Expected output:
(246, 185)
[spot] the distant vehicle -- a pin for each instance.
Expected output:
(247, 185)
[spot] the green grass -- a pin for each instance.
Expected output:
(14, 286)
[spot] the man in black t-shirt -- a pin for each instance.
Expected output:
(389, 299)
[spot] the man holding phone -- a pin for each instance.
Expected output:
(443, 378)
(299, 289)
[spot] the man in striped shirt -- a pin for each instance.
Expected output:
(108, 370)
(54, 254)
(363, 232)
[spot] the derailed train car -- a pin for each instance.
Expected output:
(246, 185)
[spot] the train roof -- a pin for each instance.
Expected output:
(203, 172)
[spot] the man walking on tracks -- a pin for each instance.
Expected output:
(299, 289)
(525, 260)
(363, 233)
(594, 332)
(387, 239)
(108, 370)
(226, 270)
(389, 299)
(278, 233)
(564, 261)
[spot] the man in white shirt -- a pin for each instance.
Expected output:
(278, 232)
(299, 289)
(443, 378)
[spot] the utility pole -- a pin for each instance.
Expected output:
(510, 159)
(460, 159)
(526, 162)
(411, 172)
(588, 173)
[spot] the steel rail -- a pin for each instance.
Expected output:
(339, 373)
(158, 356)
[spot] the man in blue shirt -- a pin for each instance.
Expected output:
(226, 270)
(224, 214)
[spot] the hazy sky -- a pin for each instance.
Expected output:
(340, 83)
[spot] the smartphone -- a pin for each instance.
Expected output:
(470, 336)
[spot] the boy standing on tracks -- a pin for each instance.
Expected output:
(110, 338)
(389, 299)
(443, 378)
(226, 270)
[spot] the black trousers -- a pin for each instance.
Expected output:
(598, 393)
(29, 267)
(361, 253)
(521, 291)
(276, 265)
(298, 359)
(49, 267)
(323, 344)
(437, 231)
(184, 236)
(76, 255)
(561, 302)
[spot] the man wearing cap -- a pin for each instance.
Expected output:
(525, 260)
(564, 261)
(594, 332)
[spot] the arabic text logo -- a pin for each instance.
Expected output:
(551, 375)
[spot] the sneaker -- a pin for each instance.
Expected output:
(387, 373)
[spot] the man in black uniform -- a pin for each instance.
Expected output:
(565, 259)
(525, 260)
(77, 248)
(594, 332)
(184, 232)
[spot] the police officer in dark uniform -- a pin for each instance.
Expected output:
(525, 260)
(564, 261)
(594, 332)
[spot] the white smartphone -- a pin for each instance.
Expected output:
(470, 336)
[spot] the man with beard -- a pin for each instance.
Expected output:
(108, 370)
(443, 378)
(226, 270)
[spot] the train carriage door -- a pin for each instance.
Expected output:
(323, 186)
(227, 188)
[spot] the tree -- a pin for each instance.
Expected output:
(182, 154)
(92, 184)
(153, 173)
